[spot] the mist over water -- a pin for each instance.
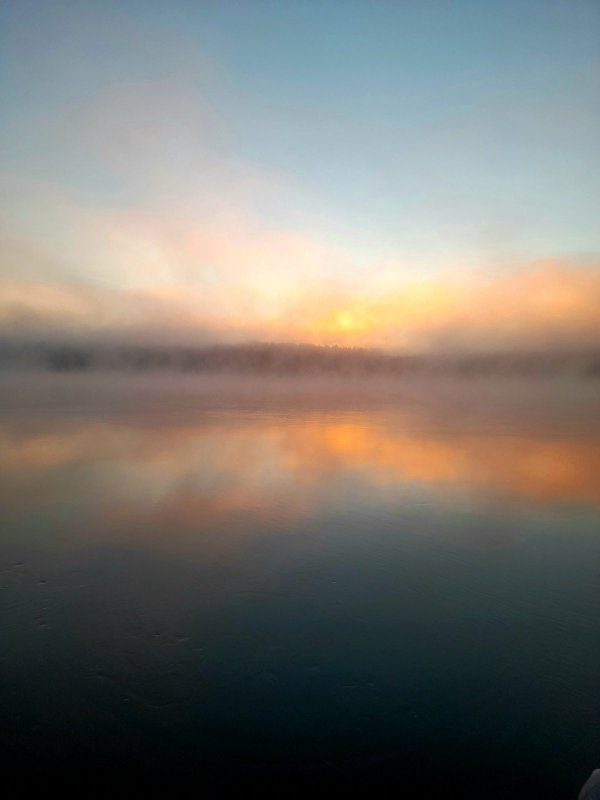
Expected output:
(266, 360)
(330, 582)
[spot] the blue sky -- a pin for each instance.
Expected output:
(392, 138)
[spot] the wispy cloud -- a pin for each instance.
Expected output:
(160, 274)
(549, 303)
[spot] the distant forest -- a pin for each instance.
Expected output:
(290, 359)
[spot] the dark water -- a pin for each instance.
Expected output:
(330, 588)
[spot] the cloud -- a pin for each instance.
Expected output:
(71, 265)
(552, 302)
(167, 271)
(168, 277)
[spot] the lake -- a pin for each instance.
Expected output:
(301, 584)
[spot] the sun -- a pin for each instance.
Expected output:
(347, 322)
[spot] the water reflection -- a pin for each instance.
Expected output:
(287, 464)
(321, 588)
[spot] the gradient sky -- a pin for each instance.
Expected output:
(402, 174)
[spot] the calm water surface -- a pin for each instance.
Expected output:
(327, 588)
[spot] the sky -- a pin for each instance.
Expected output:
(414, 176)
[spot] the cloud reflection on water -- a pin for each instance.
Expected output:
(221, 470)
